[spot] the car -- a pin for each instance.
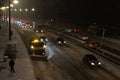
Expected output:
(92, 45)
(60, 41)
(91, 60)
(75, 30)
(37, 48)
(38, 30)
(43, 39)
(83, 38)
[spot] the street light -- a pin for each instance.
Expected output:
(33, 9)
(26, 10)
(20, 9)
(10, 32)
(15, 1)
(4, 13)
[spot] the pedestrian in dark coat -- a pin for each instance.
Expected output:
(11, 64)
(0, 27)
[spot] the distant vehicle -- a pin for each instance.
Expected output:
(43, 39)
(68, 30)
(37, 48)
(60, 41)
(38, 30)
(91, 60)
(83, 39)
(76, 30)
(24, 25)
(92, 45)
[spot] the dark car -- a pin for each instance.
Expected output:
(43, 39)
(39, 29)
(75, 30)
(91, 60)
(60, 41)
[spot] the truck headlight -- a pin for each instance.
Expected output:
(32, 47)
(44, 46)
(59, 42)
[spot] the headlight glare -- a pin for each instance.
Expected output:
(32, 47)
(44, 46)
(99, 63)
(36, 30)
(59, 42)
(41, 39)
(92, 63)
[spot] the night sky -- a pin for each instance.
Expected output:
(78, 11)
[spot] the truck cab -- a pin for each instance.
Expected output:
(37, 48)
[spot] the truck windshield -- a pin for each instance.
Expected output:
(38, 44)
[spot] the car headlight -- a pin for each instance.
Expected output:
(36, 31)
(64, 41)
(43, 53)
(46, 39)
(32, 47)
(59, 42)
(41, 39)
(41, 30)
(92, 63)
(99, 63)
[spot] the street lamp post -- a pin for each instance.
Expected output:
(9, 21)
(10, 31)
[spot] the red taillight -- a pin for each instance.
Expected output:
(74, 30)
(91, 45)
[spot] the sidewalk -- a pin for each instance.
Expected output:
(23, 66)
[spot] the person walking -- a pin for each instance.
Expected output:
(0, 27)
(11, 64)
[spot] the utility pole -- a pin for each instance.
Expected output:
(103, 34)
(9, 21)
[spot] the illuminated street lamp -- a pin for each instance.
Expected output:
(4, 12)
(26, 10)
(33, 9)
(15, 9)
(7, 7)
(3, 8)
(11, 5)
(15, 1)
(20, 9)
